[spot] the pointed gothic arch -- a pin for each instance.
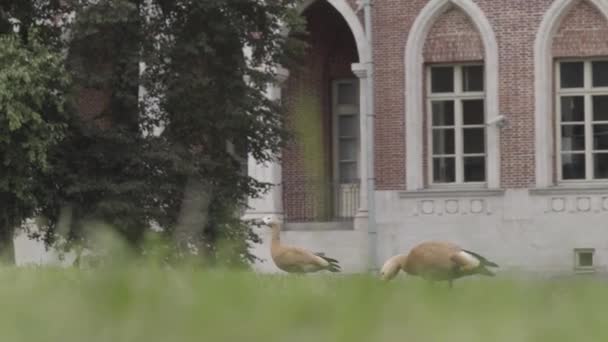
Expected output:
(543, 85)
(414, 88)
(353, 22)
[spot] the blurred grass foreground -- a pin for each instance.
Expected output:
(133, 302)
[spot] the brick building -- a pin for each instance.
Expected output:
(486, 124)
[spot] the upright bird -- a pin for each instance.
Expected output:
(437, 261)
(294, 259)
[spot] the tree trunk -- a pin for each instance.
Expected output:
(193, 217)
(5, 26)
(7, 246)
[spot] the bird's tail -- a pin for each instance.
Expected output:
(333, 266)
(483, 260)
(484, 271)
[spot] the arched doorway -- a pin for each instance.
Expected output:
(321, 167)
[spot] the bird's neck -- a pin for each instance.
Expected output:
(402, 261)
(276, 233)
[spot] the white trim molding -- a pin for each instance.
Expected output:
(361, 71)
(543, 86)
(414, 91)
(271, 172)
(452, 193)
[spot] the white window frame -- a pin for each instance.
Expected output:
(458, 95)
(339, 110)
(587, 92)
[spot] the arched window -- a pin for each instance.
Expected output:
(447, 139)
(572, 93)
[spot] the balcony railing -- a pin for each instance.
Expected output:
(320, 201)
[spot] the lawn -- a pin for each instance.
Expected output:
(136, 303)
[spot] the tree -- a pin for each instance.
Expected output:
(211, 94)
(33, 87)
(206, 92)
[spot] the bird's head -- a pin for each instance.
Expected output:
(391, 268)
(388, 274)
(266, 220)
(269, 221)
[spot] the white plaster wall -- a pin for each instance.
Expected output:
(348, 246)
(271, 202)
(520, 230)
(527, 232)
(31, 252)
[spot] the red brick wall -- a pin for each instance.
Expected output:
(307, 166)
(93, 100)
(392, 20)
(582, 33)
(92, 103)
(515, 23)
(453, 38)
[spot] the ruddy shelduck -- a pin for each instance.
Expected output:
(437, 261)
(293, 259)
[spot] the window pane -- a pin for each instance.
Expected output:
(472, 112)
(474, 169)
(573, 166)
(600, 165)
(348, 126)
(348, 172)
(443, 141)
(573, 108)
(600, 108)
(474, 140)
(348, 149)
(600, 137)
(442, 79)
(572, 75)
(472, 78)
(600, 74)
(443, 113)
(444, 170)
(573, 138)
(347, 94)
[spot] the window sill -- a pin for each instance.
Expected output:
(571, 189)
(455, 192)
(585, 270)
(318, 226)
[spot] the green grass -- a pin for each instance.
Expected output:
(153, 304)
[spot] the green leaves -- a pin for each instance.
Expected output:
(33, 84)
(210, 93)
(80, 141)
(33, 88)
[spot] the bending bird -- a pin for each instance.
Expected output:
(437, 261)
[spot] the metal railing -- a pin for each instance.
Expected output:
(320, 201)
